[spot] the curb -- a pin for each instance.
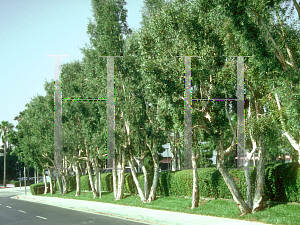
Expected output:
(88, 210)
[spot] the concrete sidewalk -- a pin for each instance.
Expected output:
(148, 216)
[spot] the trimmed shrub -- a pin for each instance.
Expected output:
(39, 187)
(16, 183)
(72, 183)
(85, 183)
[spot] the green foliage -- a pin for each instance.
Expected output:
(72, 183)
(85, 183)
(16, 183)
(282, 182)
(39, 188)
(107, 182)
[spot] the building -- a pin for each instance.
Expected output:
(167, 156)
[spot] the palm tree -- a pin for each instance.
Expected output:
(5, 127)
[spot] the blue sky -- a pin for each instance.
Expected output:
(32, 29)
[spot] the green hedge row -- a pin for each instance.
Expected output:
(16, 183)
(282, 182)
(39, 188)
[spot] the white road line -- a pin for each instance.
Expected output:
(8, 207)
(41, 217)
(21, 211)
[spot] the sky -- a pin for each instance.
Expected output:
(32, 29)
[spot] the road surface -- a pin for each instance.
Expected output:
(18, 212)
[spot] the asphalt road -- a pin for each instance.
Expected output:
(18, 212)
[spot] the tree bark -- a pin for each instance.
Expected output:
(88, 164)
(77, 174)
(152, 195)
(121, 177)
(236, 194)
(58, 181)
(137, 183)
(195, 200)
(297, 8)
(91, 179)
(45, 182)
(288, 136)
(51, 181)
(174, 154)
(260, 178)
(140, 162)
(96, 174)
(114, 172)
(247, 164)
(65, 179)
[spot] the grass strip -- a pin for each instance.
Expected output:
(285, 214)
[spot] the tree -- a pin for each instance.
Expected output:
(6, 128)
(106, 38)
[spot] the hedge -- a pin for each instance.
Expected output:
(40, 187)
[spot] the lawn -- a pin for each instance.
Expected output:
(286, 214)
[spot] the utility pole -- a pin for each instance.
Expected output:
(25, 178)
(99, 188)
(20, 175)
(4, 168)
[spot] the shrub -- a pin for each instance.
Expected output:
(85, 183)
(16, 183)
(72, 183)
(40, 187)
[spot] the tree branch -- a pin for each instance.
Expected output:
(289, 137)
(280, 56)
(297, 8)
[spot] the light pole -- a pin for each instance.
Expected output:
(99, 183)
(25, 178)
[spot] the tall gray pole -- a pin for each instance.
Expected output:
(240, 113)
(4, 167)
(188, 115)
(110, 112)
(20, 175)
(99, 187)
(25, 178)
(57, 111)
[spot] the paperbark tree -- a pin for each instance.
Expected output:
(5, 127)
(195, 157)
(106, 37)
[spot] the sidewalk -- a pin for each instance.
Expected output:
(149, 216)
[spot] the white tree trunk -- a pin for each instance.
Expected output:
(96, 173)
(174, 154)
(137, 183)
(288, 136)
(115, 184)
(45, 182)
(58, 182)
(91, 179)
(65, 178)
(247, 173)
(77, 174)
(195, 200)
(152, 195)
(260, 179)
(51, 181)
(88, 164)
(121, 178)
(236, 194)
(248, 183)
(140, 162)
(178, 151)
